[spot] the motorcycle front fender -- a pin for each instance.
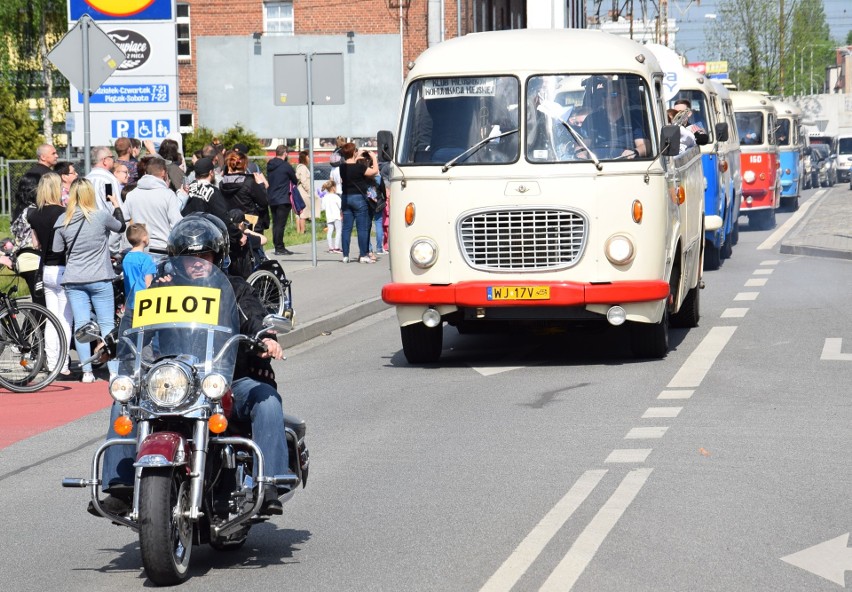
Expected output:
(162, 449)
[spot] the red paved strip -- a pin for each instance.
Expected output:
(23, 415)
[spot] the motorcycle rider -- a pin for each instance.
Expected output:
(201, 240)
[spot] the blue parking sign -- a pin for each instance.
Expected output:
(123, 128)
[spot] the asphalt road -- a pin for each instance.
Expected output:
(525, 462)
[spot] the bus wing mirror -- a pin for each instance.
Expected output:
(670, 140)
(385, 141)
(722, 131)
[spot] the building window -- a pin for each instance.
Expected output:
(184, 43)
(278, 17)
(186, 122)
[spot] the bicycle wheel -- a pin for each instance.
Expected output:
(269, 290)
(25, 341)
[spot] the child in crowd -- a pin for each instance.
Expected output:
(139, 269)
(331, 205)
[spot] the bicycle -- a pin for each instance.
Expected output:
(25, 331)
(272, 287)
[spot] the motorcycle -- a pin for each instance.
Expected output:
(198, 476)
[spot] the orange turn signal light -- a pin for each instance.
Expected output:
(217, 423)
(637, 211)
(409, 214)
(122, 425)
(762, 176)
(681, 195)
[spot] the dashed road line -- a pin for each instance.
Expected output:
(516, 565)
(755, 282)
(628, 455)
(745, 296)
(646, 433)
(763, 271)
(734, 313)
(698, 363)
(587, 544)
(661, 412)
(770, 262)
(681, 394)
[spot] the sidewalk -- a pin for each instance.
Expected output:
(826, 230)
(332, 294)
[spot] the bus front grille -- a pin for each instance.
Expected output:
(522, 239)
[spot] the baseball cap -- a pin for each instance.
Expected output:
(241, 148)
(203, 166)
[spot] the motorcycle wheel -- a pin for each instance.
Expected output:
(165, 530)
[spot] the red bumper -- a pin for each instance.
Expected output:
(561, 294)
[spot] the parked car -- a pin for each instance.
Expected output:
(844, 158)
(826, 166)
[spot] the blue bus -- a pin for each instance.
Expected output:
(791, 144)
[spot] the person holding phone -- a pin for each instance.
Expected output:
(105, 184)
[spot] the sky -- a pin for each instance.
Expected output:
(692, 24)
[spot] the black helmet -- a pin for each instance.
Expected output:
(201, 232)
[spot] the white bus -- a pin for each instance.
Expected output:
(535, 181)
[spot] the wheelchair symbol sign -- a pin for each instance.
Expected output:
(145, 129)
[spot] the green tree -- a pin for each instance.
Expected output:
(781, 47)
(19, 135)
(28, 29)
(811, 48)
(237, 134)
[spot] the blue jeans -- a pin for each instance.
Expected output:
(356, 212)
(378, 219)
(254, 401)
(84, 297)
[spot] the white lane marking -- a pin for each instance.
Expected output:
(755, 282)
(675, 394)
(832, 348)
(763, 271)
(587, 544)
(746, 296)
(776, 236)
(830, 559)
(646, 433)
(699, 361)
(771, 262)
(655, 412)
(628, 455)
(516, 565)
(734, 313)
(492, 370)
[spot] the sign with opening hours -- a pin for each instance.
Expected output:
(129, 94)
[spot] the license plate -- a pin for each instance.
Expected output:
(519, 293)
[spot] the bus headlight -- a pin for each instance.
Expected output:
(619, 249)
(749, 176)
(424, 253)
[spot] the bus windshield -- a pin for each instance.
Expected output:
(445, 118)
(782, 134)
(569, 116)
(750, 126)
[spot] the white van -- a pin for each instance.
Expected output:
(844, 158)
(535, 181)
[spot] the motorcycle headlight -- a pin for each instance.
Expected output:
(167, 384)
(122, 389)
(214, 386)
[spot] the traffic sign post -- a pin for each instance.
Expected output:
(101, 57)
(294, 85)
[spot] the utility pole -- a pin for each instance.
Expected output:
(781, 46)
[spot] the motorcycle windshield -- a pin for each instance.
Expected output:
(189, 312)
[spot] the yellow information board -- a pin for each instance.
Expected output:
(177, 304)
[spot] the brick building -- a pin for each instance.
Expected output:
(404, 28)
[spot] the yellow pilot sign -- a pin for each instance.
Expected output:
(177, 304)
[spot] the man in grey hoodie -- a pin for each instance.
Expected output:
(156, 206)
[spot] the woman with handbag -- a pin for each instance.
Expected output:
(356, 178)
(43, 219)
(83, 235)
(303, 174)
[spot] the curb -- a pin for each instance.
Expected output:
(332, 322)
(790, 247)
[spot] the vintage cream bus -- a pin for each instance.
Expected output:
(534, 181)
